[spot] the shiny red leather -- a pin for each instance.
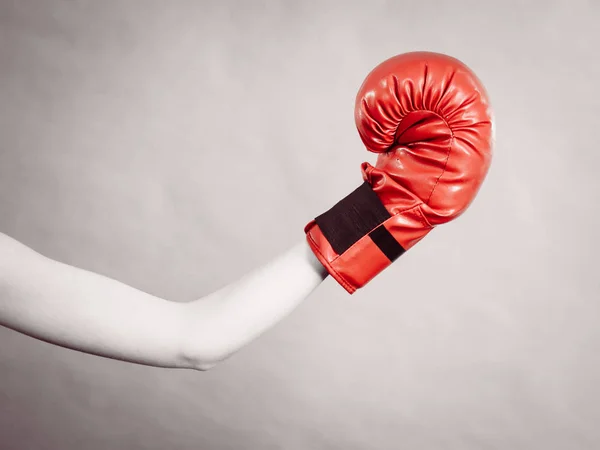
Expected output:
(428, 117)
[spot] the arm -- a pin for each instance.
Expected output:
(91, 313)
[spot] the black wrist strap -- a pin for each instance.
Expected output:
(359, 214)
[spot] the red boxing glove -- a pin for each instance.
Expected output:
(428, 117)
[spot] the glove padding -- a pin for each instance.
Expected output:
(428, 117)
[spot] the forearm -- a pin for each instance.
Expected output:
(243, 310)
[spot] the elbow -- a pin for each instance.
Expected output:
(205, 362)
(198, 363)
(204, 366)
(203, 345)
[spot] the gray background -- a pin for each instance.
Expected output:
(177, 145)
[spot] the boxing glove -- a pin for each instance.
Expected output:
(428, 118)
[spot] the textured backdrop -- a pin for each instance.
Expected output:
(177, 145)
